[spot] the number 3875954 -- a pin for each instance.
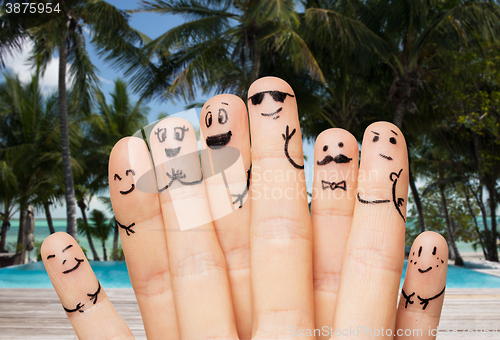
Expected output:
(26, 7)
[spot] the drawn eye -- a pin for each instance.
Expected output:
(341, 145)
(375, 139)
(257, 98)
(116, 176)
(222, 116)
(325, 148)
(392, 140)
(130, 171)
(208, 119)
(180, 131)
(419, 251)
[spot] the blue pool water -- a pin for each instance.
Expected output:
(113, 274)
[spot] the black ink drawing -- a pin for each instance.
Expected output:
(128, 229)
(179, 176)
(161, 133)
(372, 202)
(132, 187)
(408, 298)
(339, 159)
(239, 197)
(94, 295)
(287, 136)
(392, 140)
(78, 261)
(327, 185)
(218, 141)
(277, 96)
(179, 133)
(428, 269)
(398, 202)
(93, 299)
(425, 302)
(78, 308)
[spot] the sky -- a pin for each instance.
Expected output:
(153, 25)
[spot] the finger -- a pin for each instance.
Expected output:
(336, 156)
(422, 295)
(197, 265)
(373, 259)
(280, 229)
(86, 304)
(138, 216)
(224, 131)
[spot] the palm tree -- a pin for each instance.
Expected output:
(29, 140)
(109, 30)
(222, 46)
(101, 228)
(8, 197)
(103, 129)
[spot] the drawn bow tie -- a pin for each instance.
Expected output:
(333, 185)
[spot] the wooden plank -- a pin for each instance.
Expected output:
(37, 314)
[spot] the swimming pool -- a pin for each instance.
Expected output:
(114, 274)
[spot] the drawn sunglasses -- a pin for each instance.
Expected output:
(278, 96)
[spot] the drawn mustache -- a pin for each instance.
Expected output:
(218, 141)
(337, 159)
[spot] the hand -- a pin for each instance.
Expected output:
(335, 271)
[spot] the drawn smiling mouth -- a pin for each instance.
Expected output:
(78, 261)
(339, 159)
(424, 271)
(386, 157)
(218, 141)
(128, 191)
(172, 152)
(272, 114)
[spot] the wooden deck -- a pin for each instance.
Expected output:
(37, 314)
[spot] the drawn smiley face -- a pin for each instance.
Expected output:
(272, 93)
(435, 263)
(392, 139)
(339, 159)
(178, 135)
(68, 266)
(132, 186)
(217, 114)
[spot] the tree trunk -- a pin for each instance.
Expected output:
(476, 226)
(115, 242)
(400, 113)
(451, 237)
(104, 250)
(490, 186)
(20, 248)
(66, 156)
(416, 197)
(48, 216)
(487, 236)
(83, 206)
(5, 228)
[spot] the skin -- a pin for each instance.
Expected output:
(296, 259)
(232, 228)
(331, 215)
(426, 277)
